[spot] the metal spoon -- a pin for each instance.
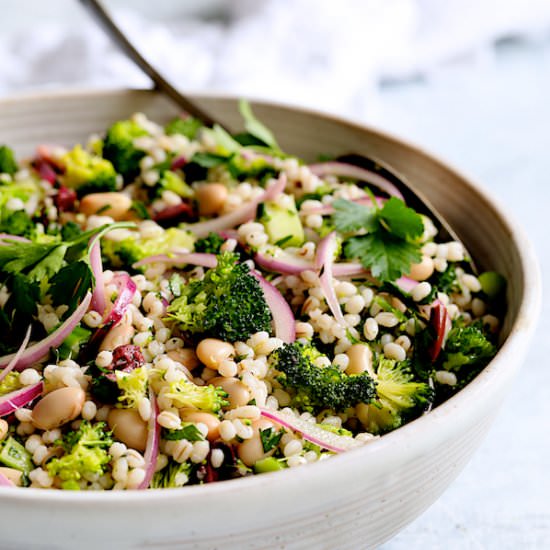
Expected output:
(413, 197)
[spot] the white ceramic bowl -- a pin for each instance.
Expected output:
(355, 500)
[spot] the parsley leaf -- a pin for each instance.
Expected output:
(270, 438)
(70, 284)
(255, 128)
(188, 431)
(350, 216)
(387, 246)
(401, 220)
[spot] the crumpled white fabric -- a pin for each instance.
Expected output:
(325, 54)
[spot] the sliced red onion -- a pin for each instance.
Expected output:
(152, 446)
(98, 297)
(346, 170)
(40, 350)
(195, 258)
(441, 322)
(240, 215)
(312, 432)
(19, 398)
(289, 264)
(283, 318)
(7, 237)
(329, 208)
(324, 260)
(5, 482)
(406, 284)
(13, 363)
(177, 163)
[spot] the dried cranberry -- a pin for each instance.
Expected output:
(45, 170)
(183, 212)
(65, 199)
(126, 359)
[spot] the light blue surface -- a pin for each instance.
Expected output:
(493, 123)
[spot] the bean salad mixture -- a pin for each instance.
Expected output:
(180, 306)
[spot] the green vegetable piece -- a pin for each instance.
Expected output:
(86, 453)
(14, 455)
(72, 345)
(170, 181)
(315, 388)
(210, 244)
(188, 431)
(172, 476)
(120, 150)
(132, 386)
(17, 223)
(255, 127)
(187, 127)
(228, 303)
(10, 383)
(8, 164)
(270, 438)
(268, 464)
(129, 251)
(87, 173)
(282, 223)
(492, 283)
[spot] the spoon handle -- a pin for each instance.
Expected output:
(98, 10)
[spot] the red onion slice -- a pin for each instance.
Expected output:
(19, 398)
(324, 260)
(312, 432)
(242, 214)
(288, 264)
(441, 322)
(5, 239)
(40, 350)
(344, 169)
(283, 318)
(152, 446)
(13, 363)
(5, 482)
(406, 283)
(195, 258)
(98, 296)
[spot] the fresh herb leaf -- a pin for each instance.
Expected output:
(8, 164)
(208, 160)
(140, 209)
(401, 220)
(389, 245)
(270, 438)
(70, 284)
(387, 256)
(255, 127)
(350, 216)
(189, 432)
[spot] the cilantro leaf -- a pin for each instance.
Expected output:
(350, 216)
(70, 284)
(386, 255)
(270, 438)
(401, 220)
(255, 128)
(188, 431)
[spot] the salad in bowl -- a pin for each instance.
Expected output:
(179, 305)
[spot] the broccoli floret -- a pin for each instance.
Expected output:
(467, 346)
(173, 475)
(228, 303)
(10, 383)
(17, 223)
(85, 454)
(187, 127)
(23, 190)
(170, 181)
(210, 244)
(8, 164)
(118, 147)
(87, 173)
(316, 388)
(132, 386)
(131, 250)
(398, 396)
(186, 394)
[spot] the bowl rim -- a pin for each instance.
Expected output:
(520, 332)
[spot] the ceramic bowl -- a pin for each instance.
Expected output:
(355, 500)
